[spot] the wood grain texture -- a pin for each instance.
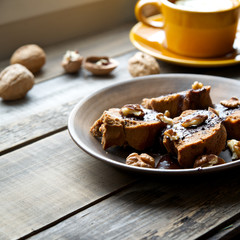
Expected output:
(159, 208)
(51, 184)
(48, 104)
(45, 109)
(230, 230)
(113, 43)
(48, 180)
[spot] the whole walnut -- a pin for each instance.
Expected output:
(142, 64)
(31, 56)
(15, 81)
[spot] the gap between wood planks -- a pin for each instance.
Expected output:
(54, 99)
(57, 221)
(23, 144)
(113, 43)
(227, 230)
(212, 234)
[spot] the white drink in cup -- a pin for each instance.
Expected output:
(206, 5)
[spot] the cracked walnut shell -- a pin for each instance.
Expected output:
(142, 64)
(15, 81)
(31, 56)
(142, 160)
(100, 65)
(72, 61)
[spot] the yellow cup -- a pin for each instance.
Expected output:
(194, 33)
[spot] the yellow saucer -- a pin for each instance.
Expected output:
(150, 40)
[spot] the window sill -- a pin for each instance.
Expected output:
(82, 18)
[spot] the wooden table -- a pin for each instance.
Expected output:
(51, 189)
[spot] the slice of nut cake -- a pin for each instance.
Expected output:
(195, 133)
(229, 112)
(196, 98)
(131, 125)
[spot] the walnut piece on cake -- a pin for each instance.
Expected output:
(234, 146)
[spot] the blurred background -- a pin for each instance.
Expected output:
(49, 22)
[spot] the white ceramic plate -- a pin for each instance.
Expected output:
(133, 91)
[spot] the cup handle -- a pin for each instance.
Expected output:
(140, 17)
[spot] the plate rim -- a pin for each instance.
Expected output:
(188, 171)
(183, 62)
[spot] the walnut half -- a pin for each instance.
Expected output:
(208, 161)
(164, 118)
(234, 146)
(197, 85)
(231, 103)
(172, 135)
(143, 160)
(195, 121)
(132, 110)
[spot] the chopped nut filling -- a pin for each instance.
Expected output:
(231, 103)
(142, 160)
(132, 110)
(197, 85)
(171, 134)
(165, 119)
(208, 161)
(195, 121)
(214, 111)
(234, 146)
(167, 113)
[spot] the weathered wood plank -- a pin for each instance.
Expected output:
(111, 43)
(49, 103)
(159, 208)
(44, 183)
(230, 230)
(46, 108)
(227, 71)
(48, 180)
